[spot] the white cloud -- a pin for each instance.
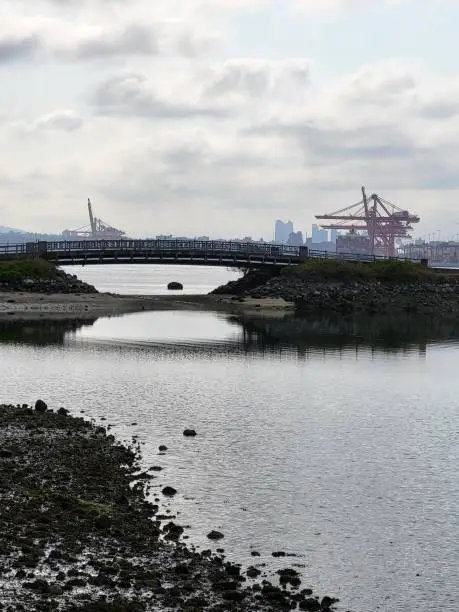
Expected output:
(167, 134)
(65, 120)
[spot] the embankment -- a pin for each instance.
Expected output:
(39, 276)
(333, 286)
(78, 533)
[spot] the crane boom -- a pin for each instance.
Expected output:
(381, 221)
(92, 221)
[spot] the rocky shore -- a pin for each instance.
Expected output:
(429, 294)
(56, 281)
(79, 534)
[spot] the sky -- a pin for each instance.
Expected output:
(216, 117)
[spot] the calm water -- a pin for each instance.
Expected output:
(336, 440)
(153, 280)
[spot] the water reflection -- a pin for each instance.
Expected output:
(228, 334)
(40, 332)
(387, 333)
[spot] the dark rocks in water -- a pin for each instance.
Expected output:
(253, 572)
(173, 532)
(279, 553)
(163, 448)
(169, 491)
(254, 553)
(288, 575)
(41, 406)
(215, 535)
(189, 433)
(62, 412)
(5, 454)
(310, 604)
(156, 468)
(174, 286)
(102, 530)
(328, 602)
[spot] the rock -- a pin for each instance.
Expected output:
(163, 448)
(288, 575)
(253, 572)
(279, 553)
(55, 589)
(41, 406)
(5, 454)
(309, 604)
(169, 491)
(215, 535)
(233, 595)
(103, 522)
(254, 553)
(189, 433)
(174, 286)
(62, 412)
(328, 602)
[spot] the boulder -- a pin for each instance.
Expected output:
(189, 433)
(169, 491)
(215, 535)
(41, 406)
(174, 286)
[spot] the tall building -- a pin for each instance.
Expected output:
(295, 239)
(283, 231)
(319, 235)
(333, 236)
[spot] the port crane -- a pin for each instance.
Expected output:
(96, 230)
(381, 220)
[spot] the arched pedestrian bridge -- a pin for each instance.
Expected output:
(194, 252)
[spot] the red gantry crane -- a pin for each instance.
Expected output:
(381, 220)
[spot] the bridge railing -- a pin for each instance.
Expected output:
(362, 257)
(12, 249)
(199, 246)
(171, 245)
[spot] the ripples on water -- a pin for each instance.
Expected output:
(335, 439)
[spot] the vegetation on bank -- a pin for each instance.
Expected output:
(33, 268)
(389, 270)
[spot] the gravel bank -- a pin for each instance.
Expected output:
(433, 295)
(78, 534)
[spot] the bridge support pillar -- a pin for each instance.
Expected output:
(304, 253)
(42, 248)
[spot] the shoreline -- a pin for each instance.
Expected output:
(79, 534)
(59, 305)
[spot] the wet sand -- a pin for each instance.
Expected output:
(31, 305)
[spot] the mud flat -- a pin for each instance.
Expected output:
(78, 533)
(99, 304)
(59, 305)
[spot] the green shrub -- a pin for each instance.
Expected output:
(389, 270)
(27, 268)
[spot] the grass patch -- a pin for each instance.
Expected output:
(18, 269)
(389, 270)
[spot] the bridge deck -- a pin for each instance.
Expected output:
(195, 252)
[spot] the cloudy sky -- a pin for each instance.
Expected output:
(218, 116)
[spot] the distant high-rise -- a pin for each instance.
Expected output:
(295, 239)
(319, 235)
(333, 236)
(283, 231)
